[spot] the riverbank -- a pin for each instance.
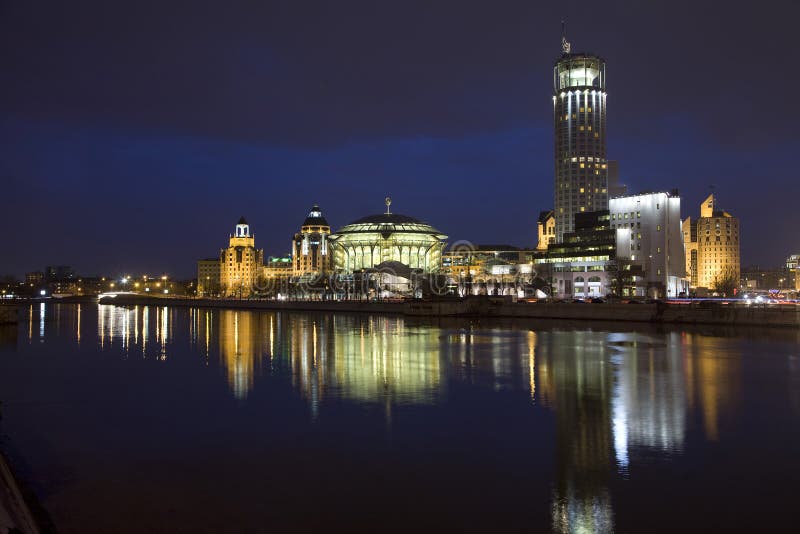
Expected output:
(14, 511)
(705, 312)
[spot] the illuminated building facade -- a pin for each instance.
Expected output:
(578, 264)
(579, 121)
(240, 263)
(278, 267)
(713, 249)
(208, 277)
(310, 251)
(487, 269)
(656, 239)
(546, 229)
(387, 237)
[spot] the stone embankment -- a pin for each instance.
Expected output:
(706, 312)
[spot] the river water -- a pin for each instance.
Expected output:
(147, 419)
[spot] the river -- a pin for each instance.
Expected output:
(132, 419)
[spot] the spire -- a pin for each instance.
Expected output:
(565, 45)
(388, 203)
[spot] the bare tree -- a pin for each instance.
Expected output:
(621, 272)
(725, 284)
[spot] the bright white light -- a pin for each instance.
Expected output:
(43, 292)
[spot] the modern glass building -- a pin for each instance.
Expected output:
(579, 121)
(387, 237)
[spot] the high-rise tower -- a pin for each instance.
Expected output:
(579, 120)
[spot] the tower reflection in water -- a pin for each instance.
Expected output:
(616, 397)
(620, 394)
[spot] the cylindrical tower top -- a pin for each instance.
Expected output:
(579, 71)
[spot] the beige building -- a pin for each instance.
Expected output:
(310, 251)
(546, 226)
(712, 246)
(241, 265)
(278, 268)
(208, 276)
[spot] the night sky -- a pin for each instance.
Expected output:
(134, 135)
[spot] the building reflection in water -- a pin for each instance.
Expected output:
(615, 396)
(576, 382)
(241, 347)
(618, 394)
(361, 358)
(131, 328)
(713, 373)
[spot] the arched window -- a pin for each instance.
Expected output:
(594, 279)
(579, 279)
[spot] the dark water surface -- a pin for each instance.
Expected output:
(187, 420)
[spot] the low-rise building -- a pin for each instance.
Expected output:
(208, 277)
(592, 261)
(487, 269)
(278, 267)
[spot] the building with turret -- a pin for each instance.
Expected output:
(241, 263)
(310, 251)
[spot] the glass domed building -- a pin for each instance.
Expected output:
(387, 237)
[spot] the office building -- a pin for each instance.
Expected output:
(579, 121)
(584, 264)
(656, 239)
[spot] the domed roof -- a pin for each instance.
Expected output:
(315, 217)
(389, 223)
(242, 220)
(387, 218)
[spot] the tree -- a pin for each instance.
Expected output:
(621, 275)
(725, 284)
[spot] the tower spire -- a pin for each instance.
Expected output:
(565, 45)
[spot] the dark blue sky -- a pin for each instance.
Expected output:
(134, 135)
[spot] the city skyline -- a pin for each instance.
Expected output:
(128, 149)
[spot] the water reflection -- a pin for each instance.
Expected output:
(616, 399)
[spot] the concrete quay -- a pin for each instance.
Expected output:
(705, 312)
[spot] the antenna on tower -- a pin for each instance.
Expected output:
(565, 45)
